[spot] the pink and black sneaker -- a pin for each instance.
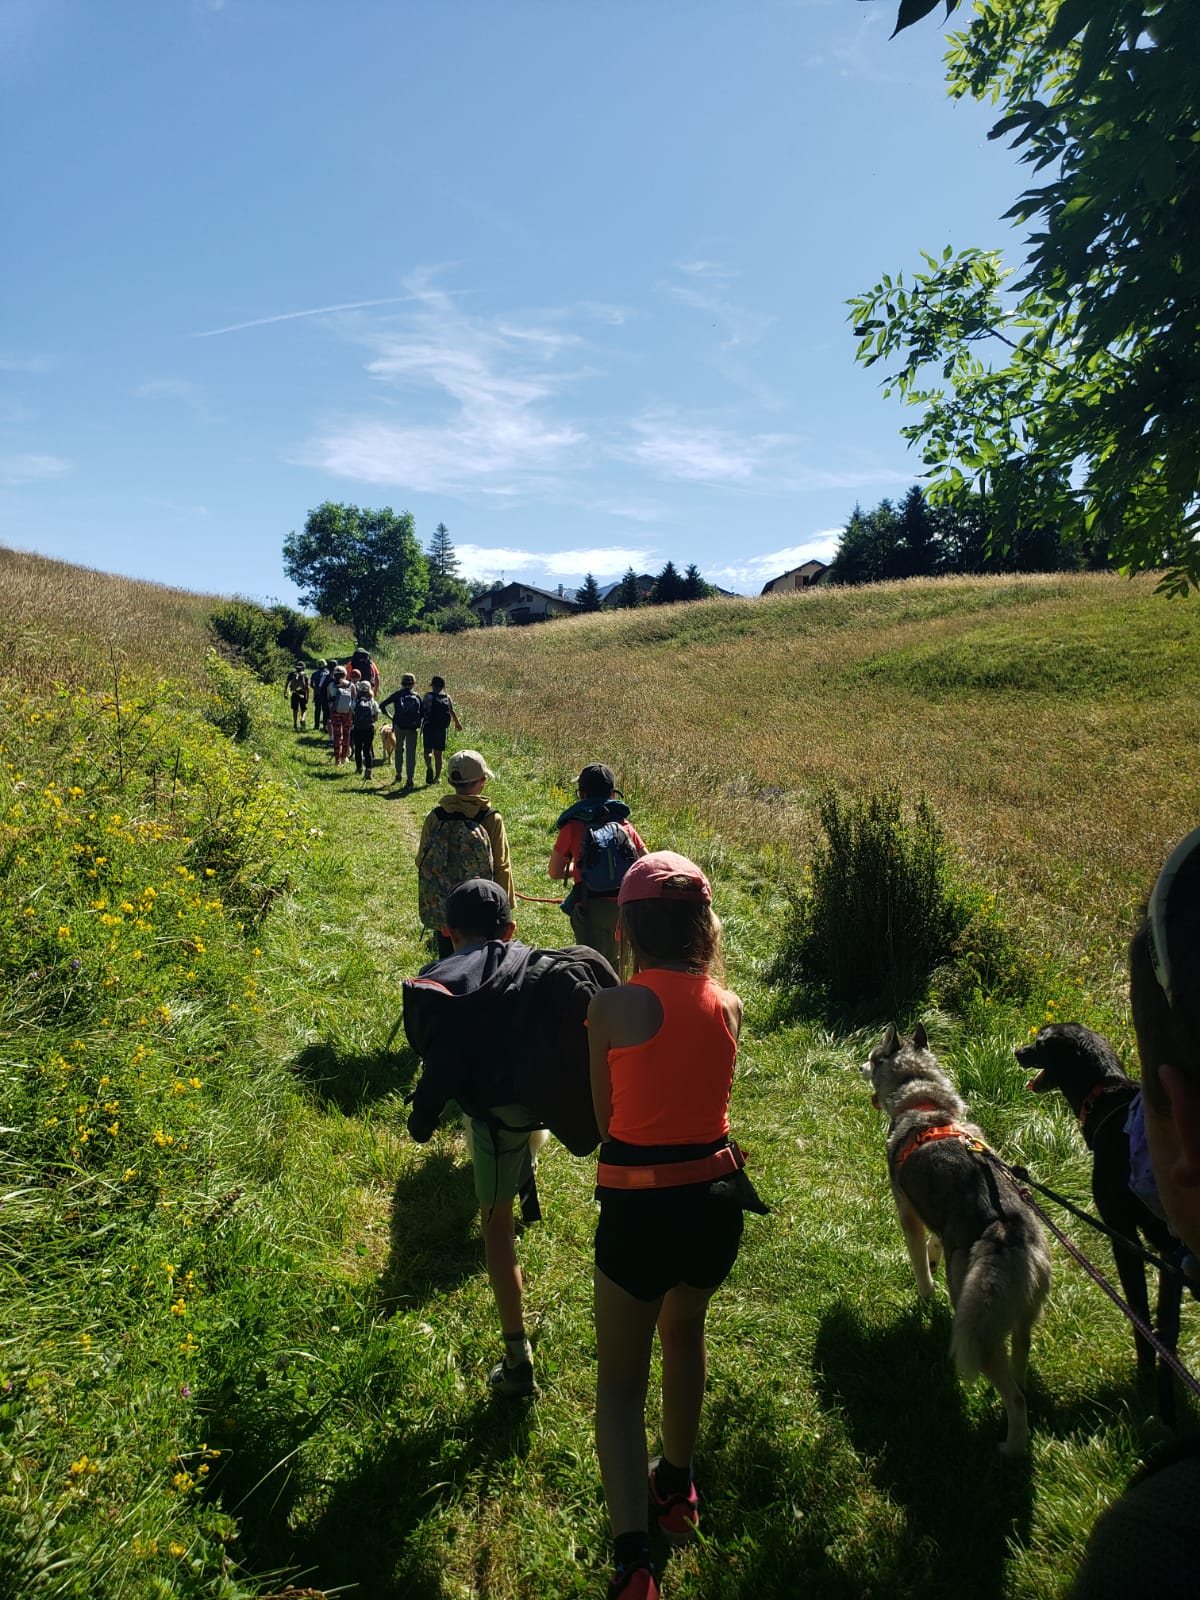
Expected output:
(633, 1581)
(678, 1514)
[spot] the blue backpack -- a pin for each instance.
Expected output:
(605, 856)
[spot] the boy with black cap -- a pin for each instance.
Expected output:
(596, 843)
(479, 927)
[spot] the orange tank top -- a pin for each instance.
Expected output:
(674, 1088)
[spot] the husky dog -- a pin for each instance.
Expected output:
(1083, 1065)
(997, 1263)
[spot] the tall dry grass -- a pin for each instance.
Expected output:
(77, 626)
(1052, 720)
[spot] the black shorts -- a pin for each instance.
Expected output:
(433, 738)
(649, 1241)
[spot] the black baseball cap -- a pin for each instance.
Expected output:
(478, 906)
(597, 781)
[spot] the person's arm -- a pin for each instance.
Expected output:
(731, 1005)
(560, 857)
(391, 700)
(454, 714)
(598, 1037)
(501, 864)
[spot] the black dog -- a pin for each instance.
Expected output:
(1073, 1059)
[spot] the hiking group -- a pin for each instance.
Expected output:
(628, 1040)
(527, 1042)
(345, 704)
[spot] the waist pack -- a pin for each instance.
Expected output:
(519, 1039)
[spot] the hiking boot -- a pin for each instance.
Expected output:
(515, 1383)
(678, 1514)
(633, 1582)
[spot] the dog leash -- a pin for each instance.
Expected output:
(1122, 1239)
(1021, 1185)
(537, 900)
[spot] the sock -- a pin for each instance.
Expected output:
(632, 1549)
(670, 1479)
(516, 1349)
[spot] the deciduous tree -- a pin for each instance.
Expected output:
(1073, 402)
(359, 566)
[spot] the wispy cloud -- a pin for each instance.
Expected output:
(699, 454)
(182, 390)
(13, 363)
(495, 383)
(174, 507)
(489, 562)
(30, 467)
(293, 316)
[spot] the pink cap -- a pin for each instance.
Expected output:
(664, 875)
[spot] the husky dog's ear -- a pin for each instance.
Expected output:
(920, 1037)
(890, 1041)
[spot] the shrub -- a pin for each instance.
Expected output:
(884, 909)
(235, 704)
(456, 618)
(249, 636)
(297, 635)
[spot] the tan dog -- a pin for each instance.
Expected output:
(388, 736)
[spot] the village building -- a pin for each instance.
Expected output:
(519, 603)
(802, 577)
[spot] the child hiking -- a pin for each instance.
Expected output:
(437, 713)
(502, 1141)
(462, 837)
(596, 843)
(404, 708)
(339, 698)
(297, 687)
(364, 716)
(672, 1193)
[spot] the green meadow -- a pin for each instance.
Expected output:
(244, 1324)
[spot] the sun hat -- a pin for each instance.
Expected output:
(478, 906)
(596, 780)
(407, 681)
(468, 766)
(664, 875)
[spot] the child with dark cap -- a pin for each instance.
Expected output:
(596, 845)
(503, 1145)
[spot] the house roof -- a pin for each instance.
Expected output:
(806, 567)
(497, 599)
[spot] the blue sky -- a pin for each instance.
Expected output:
(567, 275)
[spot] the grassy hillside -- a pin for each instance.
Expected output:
(244, 1329)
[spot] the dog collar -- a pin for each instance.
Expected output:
(1093, 1095)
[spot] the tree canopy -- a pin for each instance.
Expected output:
(1073, 397)
(359, 566)
(589, 594)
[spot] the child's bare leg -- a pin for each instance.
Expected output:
(503, 1270)
(684, 1369)
(624, 1337)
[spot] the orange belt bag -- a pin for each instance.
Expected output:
(722, 1163)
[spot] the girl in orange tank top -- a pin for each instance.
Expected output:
(662, 1050)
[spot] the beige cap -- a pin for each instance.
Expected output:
(468, 766)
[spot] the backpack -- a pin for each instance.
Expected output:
(341, 697)
(605, 855)
(518, 1039)
(360, 661)
(437, 713)
(297, 682)
(406, 710)
(366, 713)
(458, 849)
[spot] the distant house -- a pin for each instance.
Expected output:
(608, 594)
(518, 603)
(802, 577)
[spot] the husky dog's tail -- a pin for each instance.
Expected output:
(1004, 1287)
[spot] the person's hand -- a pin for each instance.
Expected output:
(421, 1126)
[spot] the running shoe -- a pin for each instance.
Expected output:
(678, 1514)
(634, 1582)
(515, 1383)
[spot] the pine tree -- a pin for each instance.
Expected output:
(668, 586)
(694, 586)
(629, 594)
(443, 563)
(589, 594)
(446, 589)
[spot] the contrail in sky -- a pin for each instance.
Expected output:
(317, 311)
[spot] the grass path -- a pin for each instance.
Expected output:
(839, 1455)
